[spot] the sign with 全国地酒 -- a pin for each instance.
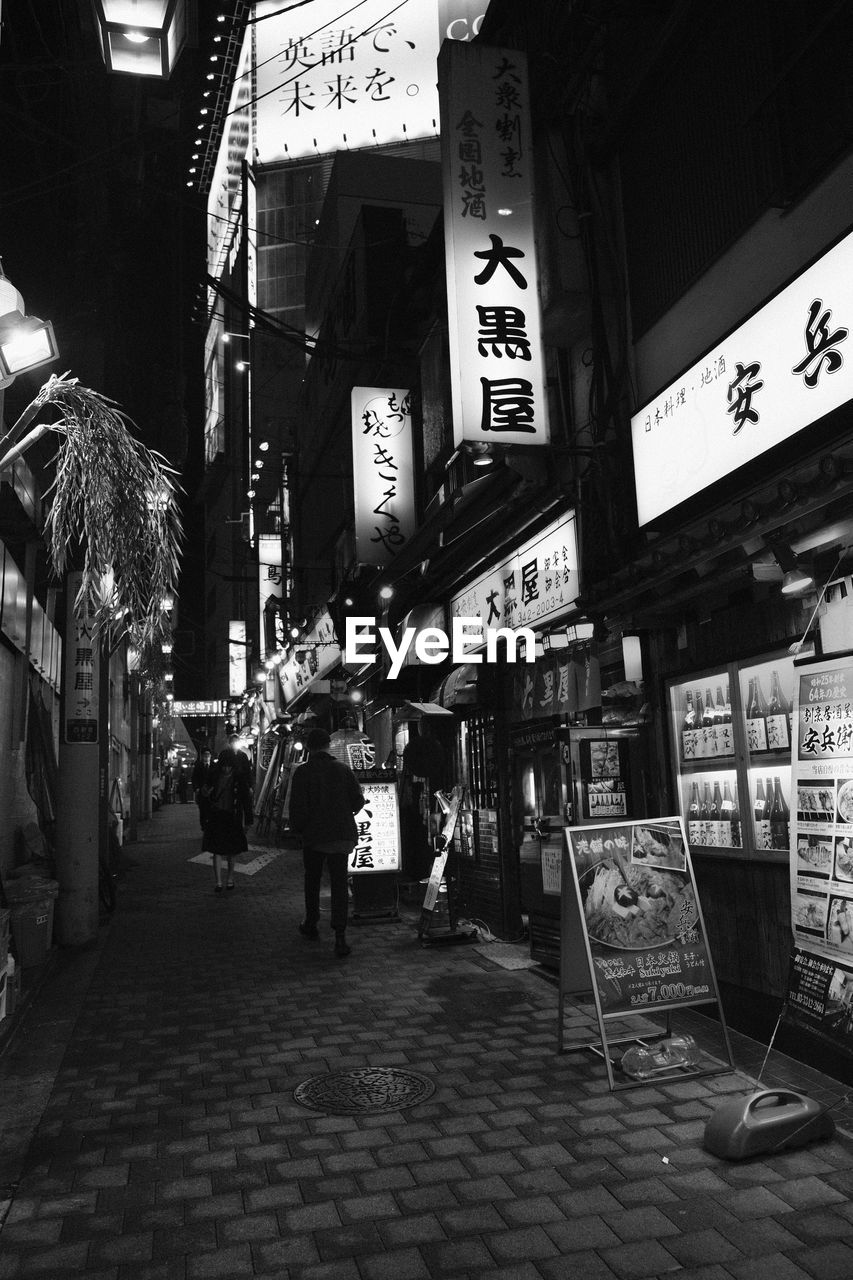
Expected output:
(494, 323)
(777, 373)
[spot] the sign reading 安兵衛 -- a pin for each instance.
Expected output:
(383, 475)
(780, 371)
(496, 365)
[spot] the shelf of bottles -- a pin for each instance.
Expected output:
(706, 748)
(766, 691)
(732, 729)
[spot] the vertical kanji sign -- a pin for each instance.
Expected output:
(494, 323)
(81, 671)
(378, 823)
(383, 472)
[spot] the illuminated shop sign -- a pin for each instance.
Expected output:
(496, 367)
(224, 199)
(332, 76)
(236, 657)
(269, 592)
(535, 585)
(383, 476)
(785, 368)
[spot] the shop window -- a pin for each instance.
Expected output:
(477, 760)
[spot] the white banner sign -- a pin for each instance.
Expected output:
(333, 76)
(496, 366)
(270, 592)
(383, 474)
(378, 823)
(538, 583)
(318, 652)
(773, 376)
(236, 658)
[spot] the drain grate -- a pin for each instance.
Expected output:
(364, 1091)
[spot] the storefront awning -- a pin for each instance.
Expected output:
(415, 710)
(422, 617)
(459, 689)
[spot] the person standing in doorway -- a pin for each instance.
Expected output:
(230, 807)
(324, 798)
(201, 784)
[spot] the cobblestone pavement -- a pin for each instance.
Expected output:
(168, 1143)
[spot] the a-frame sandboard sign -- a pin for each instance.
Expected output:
(628, 891)
(449, 805)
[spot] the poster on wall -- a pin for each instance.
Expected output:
(378, 823)
(81, 660)
(820, 987)
(603, 768)
(639, 909)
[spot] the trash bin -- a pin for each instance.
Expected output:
(31, 901)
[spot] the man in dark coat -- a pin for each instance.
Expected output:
(324, 797)
(201, 782)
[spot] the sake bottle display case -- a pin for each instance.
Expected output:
(731, 733)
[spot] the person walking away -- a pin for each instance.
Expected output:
(324, 798)
(183, 780)
(200, 783)
(230, 808)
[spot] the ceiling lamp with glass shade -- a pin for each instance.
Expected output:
(142, 37)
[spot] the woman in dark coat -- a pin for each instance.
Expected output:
(230, 807)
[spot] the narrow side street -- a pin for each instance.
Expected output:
(170, 1145)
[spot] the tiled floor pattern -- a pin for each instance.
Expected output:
(171, 1146)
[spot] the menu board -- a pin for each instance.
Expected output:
(639, 912)
(820, 994)
(378, 823)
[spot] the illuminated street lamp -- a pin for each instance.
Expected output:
(25, 341)
(141, 37)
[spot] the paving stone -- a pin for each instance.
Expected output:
(646, 1258)
(831, 1261)
(397, 1264)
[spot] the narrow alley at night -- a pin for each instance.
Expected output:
(426, 639)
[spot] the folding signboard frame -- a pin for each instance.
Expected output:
(573, 924)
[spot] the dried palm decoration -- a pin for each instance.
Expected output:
(112, 509)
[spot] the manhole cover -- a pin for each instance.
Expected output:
(364, 1090)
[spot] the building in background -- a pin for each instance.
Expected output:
(617, 462)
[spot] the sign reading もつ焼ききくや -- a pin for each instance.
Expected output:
(494, 325)
(383, 475)
(779, 372)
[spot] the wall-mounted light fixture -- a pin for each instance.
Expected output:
(26, 342)
(141, 37)
(632, 658)
(796, 579)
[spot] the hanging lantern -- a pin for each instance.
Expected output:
(142, 37)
